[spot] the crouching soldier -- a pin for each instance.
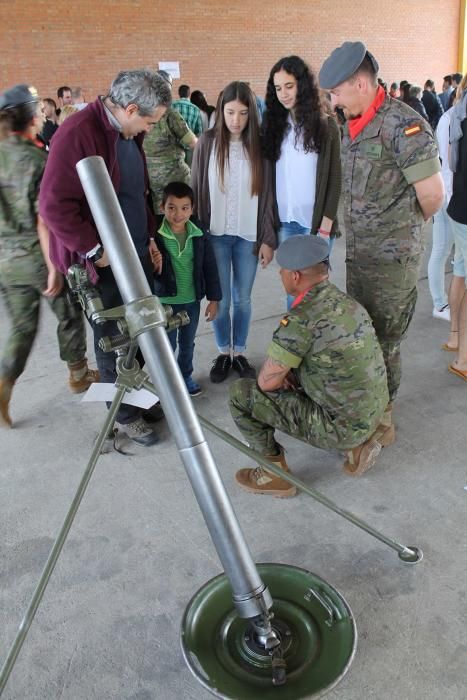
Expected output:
(323, 380)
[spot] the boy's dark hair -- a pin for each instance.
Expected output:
(184, 91)
(457, 77)
(448, 79)
(178, 190)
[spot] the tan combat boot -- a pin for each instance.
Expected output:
(362, 458)
(385, 432)
(81, 377)
(6, 387)
(259, 480)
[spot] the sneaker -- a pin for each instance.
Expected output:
(444, 313)
(140, 432)
(241, 365)
(220, 369)
(194, 389)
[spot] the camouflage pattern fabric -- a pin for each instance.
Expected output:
(329, 342)
(391, 305)
(23, 273)
(165, 154)
(22, 165)
(22, 281)
(383, 221)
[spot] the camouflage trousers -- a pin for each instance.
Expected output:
(22, 281)
(389, 293)
(258, 414)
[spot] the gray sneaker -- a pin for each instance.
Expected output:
(140, 432)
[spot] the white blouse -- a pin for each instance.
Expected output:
(296, 179)
(234, 212)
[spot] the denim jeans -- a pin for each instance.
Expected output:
(185, 337)
(442, 244)
(237, 270)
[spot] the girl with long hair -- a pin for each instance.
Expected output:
(303, 143)
(234, 198)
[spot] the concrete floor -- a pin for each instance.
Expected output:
(108, 626)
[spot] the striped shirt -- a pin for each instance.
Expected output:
(182, 261)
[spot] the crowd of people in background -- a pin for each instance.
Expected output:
(228, 185)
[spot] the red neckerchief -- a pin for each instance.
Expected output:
(359, 123)
(37, 142)
(300, 297)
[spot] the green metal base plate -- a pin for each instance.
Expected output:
(313, 620)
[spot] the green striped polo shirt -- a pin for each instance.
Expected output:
(180, 249)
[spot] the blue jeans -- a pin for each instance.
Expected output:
(237, 270)
(442, 244)
(185, 336)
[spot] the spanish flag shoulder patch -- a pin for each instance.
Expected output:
(412, 130)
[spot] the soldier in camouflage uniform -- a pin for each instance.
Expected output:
(391, 184)
(25, 272)
(324, 379)
(165, 153)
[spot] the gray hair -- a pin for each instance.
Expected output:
(143, 88)
(415, 91)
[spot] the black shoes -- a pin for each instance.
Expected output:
(222, 364)
(220, 369)
(241, 365)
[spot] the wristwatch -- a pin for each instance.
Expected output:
(96, 255)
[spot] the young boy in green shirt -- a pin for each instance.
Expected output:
(189, 272)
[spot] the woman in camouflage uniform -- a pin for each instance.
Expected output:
(26, 273)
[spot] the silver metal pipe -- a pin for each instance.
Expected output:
(249, 593)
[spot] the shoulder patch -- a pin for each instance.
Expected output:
(412, 129)
(284, 321)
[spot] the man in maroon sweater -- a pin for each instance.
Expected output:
(112, 127)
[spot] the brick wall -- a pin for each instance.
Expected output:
(87, 42)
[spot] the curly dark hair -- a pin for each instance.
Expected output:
(309, 117)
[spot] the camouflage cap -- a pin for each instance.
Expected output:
(343, 62)
(301, 252)
(18, 95)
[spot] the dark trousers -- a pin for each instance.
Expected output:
(185, 336)
(110, 295)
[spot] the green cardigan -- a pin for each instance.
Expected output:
(328, 180)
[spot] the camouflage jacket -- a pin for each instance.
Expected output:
(381, 214)
(164, 143)
(22, 165)
(330, 342)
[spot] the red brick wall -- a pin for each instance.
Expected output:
(48, 43)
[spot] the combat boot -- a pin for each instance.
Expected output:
(6, 387)
(259, 480)
(362, 458)
(81, 377)
(385, 432)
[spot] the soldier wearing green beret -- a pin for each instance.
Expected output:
(391, 185)
(26, 273)
(324, 378)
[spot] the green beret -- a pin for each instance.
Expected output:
(342, 64)
(300, 252)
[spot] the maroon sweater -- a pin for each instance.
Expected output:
(62, 203)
